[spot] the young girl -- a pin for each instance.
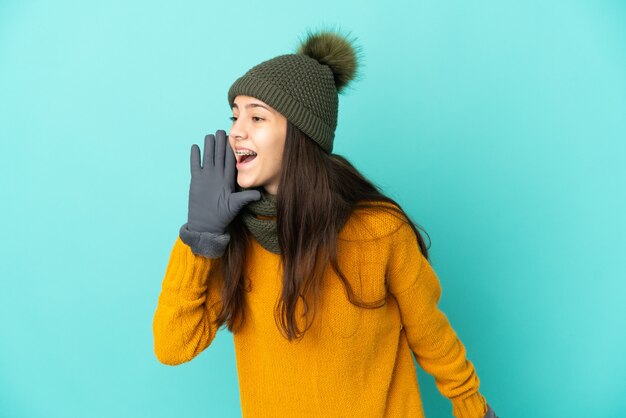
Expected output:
(324, 281)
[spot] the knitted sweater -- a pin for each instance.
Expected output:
(352, 362)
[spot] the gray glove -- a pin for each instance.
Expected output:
(212, 203)
(490, 413)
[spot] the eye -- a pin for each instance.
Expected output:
(233, 118)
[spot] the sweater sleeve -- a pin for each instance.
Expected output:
(437, 349)
(190, 300)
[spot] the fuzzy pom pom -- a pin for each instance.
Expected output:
(331, 48)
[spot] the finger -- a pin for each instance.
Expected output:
(220, 150)
(209, 151)
(230, 165)
(194, 159)
(240, 199)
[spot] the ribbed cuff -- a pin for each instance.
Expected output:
(490, 412)
(303, 118)
(473, 406)
(206, 244)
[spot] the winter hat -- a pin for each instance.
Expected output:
(304, 86)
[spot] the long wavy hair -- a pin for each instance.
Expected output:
(316, 195)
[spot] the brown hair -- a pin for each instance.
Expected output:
(317, 194)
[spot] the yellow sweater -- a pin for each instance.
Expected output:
(352, 362)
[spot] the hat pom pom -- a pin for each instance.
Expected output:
(335, 50)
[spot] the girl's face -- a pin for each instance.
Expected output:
(259, 128)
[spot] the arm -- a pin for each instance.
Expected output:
(190, 297)
(435, 344)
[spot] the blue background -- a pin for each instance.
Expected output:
(498, 125)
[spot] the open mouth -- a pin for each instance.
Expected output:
(244, 157)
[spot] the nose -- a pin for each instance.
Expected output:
(237, 130)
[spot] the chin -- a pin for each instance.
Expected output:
(246, 183)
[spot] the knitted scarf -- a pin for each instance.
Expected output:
(264, 230)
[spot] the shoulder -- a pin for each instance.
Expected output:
(369, 224)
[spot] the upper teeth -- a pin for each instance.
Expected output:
(245, 152)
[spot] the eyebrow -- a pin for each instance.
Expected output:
(251, 105)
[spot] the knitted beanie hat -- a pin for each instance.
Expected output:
(304, 86)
